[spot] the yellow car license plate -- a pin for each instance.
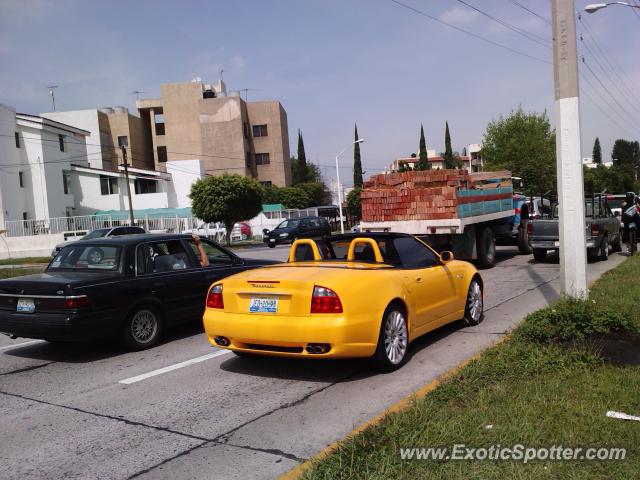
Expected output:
(263, 305)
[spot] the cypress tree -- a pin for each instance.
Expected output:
(357, 163)
(449, 161)
(423, 162)
(300, 173)
(597, 151)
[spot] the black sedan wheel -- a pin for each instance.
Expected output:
(142, 329)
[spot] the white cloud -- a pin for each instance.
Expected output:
(459, 16)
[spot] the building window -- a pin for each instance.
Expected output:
(142, 186)
(262, 159)
(61, 142)
(158, 119)
(162, 154)
(245, 128)
(24, 215)
(266, 183)
(21, 179)
(259, 130)
(247, 160)
(123, 141)
(65, 182)
(17, 135)
(108, 185)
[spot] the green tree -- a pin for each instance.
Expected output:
(294, 197)
(404, 167)
(353, 202)
(423, 162)
(270, 194)
(227, 199)
(357, 163)
(524, 144)
(299, 168)
(316, 191)
(626, 154)
(449, 160)
(597, 152)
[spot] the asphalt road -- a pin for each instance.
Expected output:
(64, 412)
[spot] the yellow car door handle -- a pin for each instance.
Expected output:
(419, 279)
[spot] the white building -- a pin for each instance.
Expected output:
(472, 161)
(36, 155)
(588, 162)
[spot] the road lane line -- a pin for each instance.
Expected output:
(170, 368)
(23, 344)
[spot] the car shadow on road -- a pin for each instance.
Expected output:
(324, 369)
(86, 352)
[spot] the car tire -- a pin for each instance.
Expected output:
(539, 254)
(523, 241)
(616, 245)
(142, 329)
(603, 253)
(474, 306)
(95, 255)
(271, 245)
(393, 340)
(486, 248)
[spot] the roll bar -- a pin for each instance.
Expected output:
(369, 241)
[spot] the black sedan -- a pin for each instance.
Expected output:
(131, 286)
(289, 230)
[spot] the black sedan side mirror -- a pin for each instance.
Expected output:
(265, 231)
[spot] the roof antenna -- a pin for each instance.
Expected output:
(137, 94)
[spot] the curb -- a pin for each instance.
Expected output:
(399, 406)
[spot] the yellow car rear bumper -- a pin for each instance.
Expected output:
(288, 336)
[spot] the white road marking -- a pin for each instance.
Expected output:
(170, 368)
(23, 344)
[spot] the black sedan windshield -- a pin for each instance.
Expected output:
(87, 257)
(289, 224)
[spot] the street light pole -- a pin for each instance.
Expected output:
(126, 179)
(573, 263)
(594, 7)
(360, 140)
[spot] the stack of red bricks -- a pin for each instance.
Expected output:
(415, 195)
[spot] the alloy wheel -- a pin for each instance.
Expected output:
(144, 326)
(474, 302)
(395, 337)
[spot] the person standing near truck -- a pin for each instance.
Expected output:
(631, 220)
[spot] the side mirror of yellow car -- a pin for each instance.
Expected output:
(446, 256)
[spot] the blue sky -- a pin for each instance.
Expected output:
(330, 63)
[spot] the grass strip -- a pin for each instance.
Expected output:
(551, 383)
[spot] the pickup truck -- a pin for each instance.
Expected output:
(602, 231)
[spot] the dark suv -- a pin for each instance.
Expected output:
(289, 230)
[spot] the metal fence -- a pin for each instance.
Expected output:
(77, 226)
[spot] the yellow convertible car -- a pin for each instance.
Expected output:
(354, 295)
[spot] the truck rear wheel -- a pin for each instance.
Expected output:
(523, 241)
(486, 248)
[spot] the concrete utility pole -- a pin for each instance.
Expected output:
(573, 262)
(126, 176)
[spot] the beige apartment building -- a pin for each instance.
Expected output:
(194, 121)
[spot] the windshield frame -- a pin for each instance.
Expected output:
(87, 237)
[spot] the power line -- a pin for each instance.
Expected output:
(531, 36)
(607, 90)
(531, 11)
(613, 120)
(606, 72)
(479, 37)
(606, 56)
